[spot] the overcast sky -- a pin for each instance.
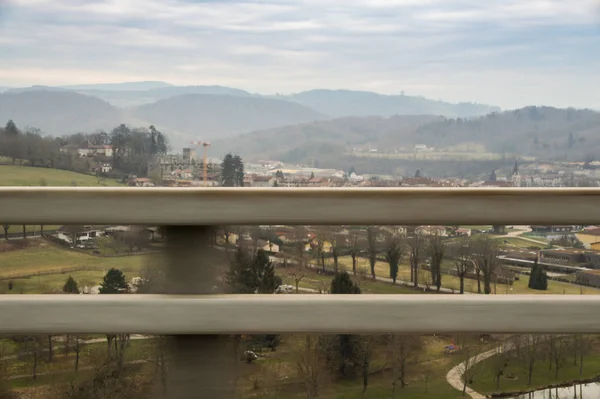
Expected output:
(504, 52)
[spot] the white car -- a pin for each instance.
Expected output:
(284, 289)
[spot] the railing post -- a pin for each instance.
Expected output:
(200, 366)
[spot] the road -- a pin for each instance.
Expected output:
(520, 230)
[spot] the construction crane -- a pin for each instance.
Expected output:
(205, 145)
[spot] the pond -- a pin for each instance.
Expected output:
(579, 391)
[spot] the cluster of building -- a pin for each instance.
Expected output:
(99, 157)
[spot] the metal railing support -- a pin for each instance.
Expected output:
(200, 366)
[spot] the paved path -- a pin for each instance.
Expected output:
(520, 230)
(454, 376)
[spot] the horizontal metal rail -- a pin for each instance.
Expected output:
(238, 314)
(375, 206)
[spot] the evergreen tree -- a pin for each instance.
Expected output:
(343, 284)
(70, 286)
(114, 282)
(248, 274)
(418, 173)
(538, 279)
(493, 176)
(344, 350)
(515, 168)
(227, 171)
(238, 171)
(11, 129)
(351, 170)
(312, 175)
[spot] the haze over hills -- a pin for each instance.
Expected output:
(219, 116)
(332, 136)
(338, 103)
(124, 86)
(58, 112)
(545, 132)
(133, 98)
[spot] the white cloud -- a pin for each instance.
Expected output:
(506, 52)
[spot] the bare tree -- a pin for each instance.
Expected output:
(400, 349)
(299, 242)
(354, 248)
(499, 362)
(367, 347)
(558, 347)
(416, 244)
(436, 247)
(335, 253)
(6, 227)
(530, 353)
(372, 247)
(487, 261)
(468, 356)
(393, 254)
(310, 365)
(297, 278)
(581, 345)
(462, 259)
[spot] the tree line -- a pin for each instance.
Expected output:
(134, 149)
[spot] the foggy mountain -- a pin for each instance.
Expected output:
(332, 135)
(125, 86)
(58, 112)
(544, 132)
(211, 116)
(339, 103)
(134, 98)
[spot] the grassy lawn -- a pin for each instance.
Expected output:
(28, 176)
(316, 281)
(485, 383)
(426, 376)
(47, 257)
(18, 228)
(452, 282)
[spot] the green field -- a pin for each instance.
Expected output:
(452, 282)
(46, 257)
(11, 175)
(485, 383)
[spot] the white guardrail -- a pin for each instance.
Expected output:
(298, 313)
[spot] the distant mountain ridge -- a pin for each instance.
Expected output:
(544, 132)
(212, 116)
(340, 103)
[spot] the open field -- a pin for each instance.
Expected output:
(28, 176)
(452, 282)
(48, 265)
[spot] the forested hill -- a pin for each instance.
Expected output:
(544, 132)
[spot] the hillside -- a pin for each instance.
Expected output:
(28, 176)
(149, 85)
(543, 132)
(58, 112)
(133, 98)
(338, 103)
(297, 142)
(213, 116)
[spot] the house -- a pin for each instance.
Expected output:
(262, 181)
(418, 182)
(432, 230)
(100, 150)
(268, 246)
(588, 277)
(74, 234)
(105, 167)
(553, 229)
(140, 182)
(589, 238)
(463, 232)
